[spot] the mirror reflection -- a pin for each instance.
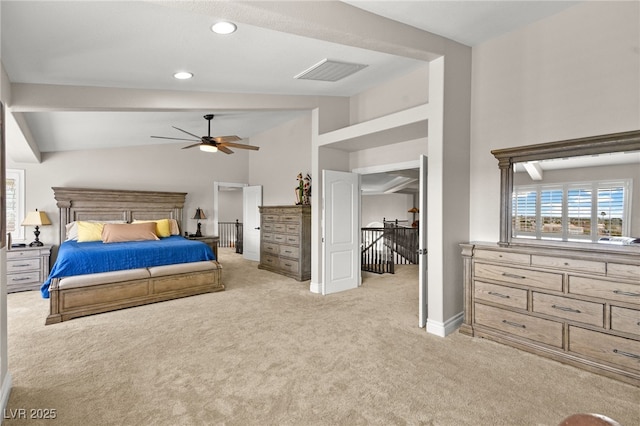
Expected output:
(589, 198)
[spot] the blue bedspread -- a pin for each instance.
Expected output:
(87, 258)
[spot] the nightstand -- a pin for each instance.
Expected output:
(27, 267)
(210, 241)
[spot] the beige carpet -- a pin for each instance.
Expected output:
(267, 351)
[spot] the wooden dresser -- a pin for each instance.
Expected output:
(27, 268)
(578, 307)
(285, 240)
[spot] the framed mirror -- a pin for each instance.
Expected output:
(579, 190)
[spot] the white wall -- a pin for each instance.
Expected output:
(376, 208)
(572, 75)
(284, 152)
(409, 90)
(230, 205)
(163, 167)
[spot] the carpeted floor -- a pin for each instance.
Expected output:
(267, 351)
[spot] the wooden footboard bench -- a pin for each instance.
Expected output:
(82, 295)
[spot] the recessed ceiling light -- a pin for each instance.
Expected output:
(223, 27)
(183, 75)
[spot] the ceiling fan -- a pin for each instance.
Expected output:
(212, 143)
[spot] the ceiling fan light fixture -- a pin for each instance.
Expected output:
(183, 75)
(224, 27)
(208, 148)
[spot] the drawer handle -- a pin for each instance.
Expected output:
(626, 293)
(629, 354)
(564, 308)
(506, 274)
(288, 251)
(287, 264)
(514, 324)
(504, 296)
(20, 265)
(21, 279)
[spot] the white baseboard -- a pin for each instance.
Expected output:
(315, 288)
(5, 391)
(443, 329)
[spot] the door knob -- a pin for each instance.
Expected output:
(257, 227)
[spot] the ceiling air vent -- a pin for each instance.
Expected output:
(327, 70)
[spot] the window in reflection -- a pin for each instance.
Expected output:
(583, 211)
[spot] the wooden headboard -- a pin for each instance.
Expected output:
(116, 204)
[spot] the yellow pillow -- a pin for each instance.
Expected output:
(163, 227)
(89, 231)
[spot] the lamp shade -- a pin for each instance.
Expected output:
(36, 218)
(199, 214)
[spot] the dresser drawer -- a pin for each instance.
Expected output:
(19, 265)
(24, 278)
(293, 229)
(538, 279)
(567, 263)
(522, 325)
(289, 251)
(571, 309)
(279, 227)
(631, 272)
(508, 296)
(279, 238)
(290, 218)
(267, 226)
(626, 320)
(292, 239)
(272, 261)
(270, 217)
(610, 290)
(289, 265)
(501, 256)
(267, 236)
(610, 349)
(271, 248)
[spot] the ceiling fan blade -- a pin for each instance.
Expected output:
(184, 131)
(224, 149)
(175, 139)
(239, 145)
(221, 139)
(191, 146)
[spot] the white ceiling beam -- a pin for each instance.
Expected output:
(534, 169)
(46, 97)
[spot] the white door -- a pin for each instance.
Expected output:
(251, 200)
(422, 244)
(341, 231)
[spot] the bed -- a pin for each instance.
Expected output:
(126, 273)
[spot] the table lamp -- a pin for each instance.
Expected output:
(36, 219)
(199, 215)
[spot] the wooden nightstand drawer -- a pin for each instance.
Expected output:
(625, 320)
(604, 347)
(526, 277)
(24, 278)
(508, 296)
(610, 290)
(20, 265)
(571, 309)
(529, 327)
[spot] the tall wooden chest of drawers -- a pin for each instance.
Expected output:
(285, 240)
(575, 306)
(27, 268)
